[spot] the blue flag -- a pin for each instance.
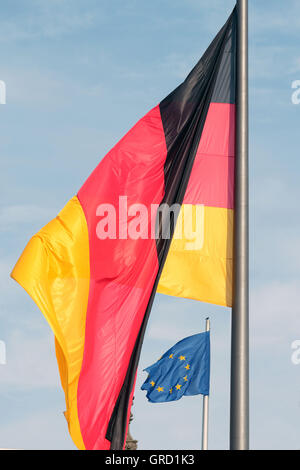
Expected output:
(182, 370)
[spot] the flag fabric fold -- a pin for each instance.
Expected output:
(183, 370)
(96, 290)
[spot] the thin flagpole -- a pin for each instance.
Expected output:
(239, 400)
(205, 409)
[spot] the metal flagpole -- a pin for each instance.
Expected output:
(205, 409)
(239, 401)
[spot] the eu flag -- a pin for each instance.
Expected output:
(182, 370)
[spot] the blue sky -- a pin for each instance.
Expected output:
(79, 74)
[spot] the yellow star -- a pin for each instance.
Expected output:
(187, 367)
(171, 356)
(160, 389)
(152, 383)
(178, 387)
(171, 390)
(182, 358)
(185, 378)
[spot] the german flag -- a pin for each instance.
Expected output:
(96, 292)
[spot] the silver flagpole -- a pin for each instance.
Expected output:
(205, 409)
(239, 401)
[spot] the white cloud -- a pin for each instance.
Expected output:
(31, 86)
(274, 304)
(295, 68)
(42, 429)
(15, 217)
(51, 19)
(280, 18)
(179, 65)
(30, 360)
(162, 326)
(275, 312)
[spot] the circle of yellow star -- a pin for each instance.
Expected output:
(171, 390)
(160, 389)
(178, 387)
(182, 358)
(185, 378)
(187, 367)
(171, 356)
(152, 383)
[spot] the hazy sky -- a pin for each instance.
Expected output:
(79, 74)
